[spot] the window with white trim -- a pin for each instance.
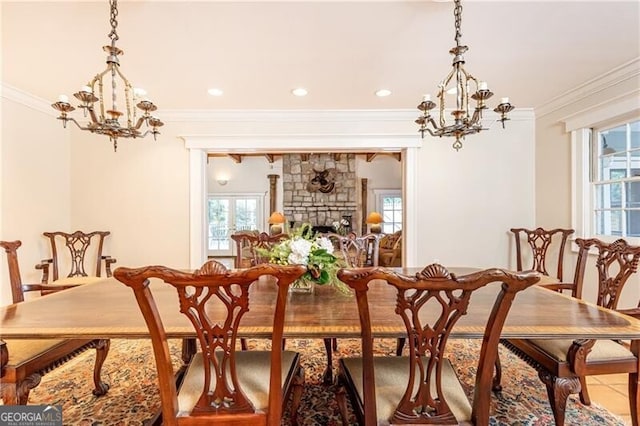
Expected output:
(606, 177)
(615, 180)
(389, 204)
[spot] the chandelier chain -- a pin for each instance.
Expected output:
(113, 35)
(457, 13)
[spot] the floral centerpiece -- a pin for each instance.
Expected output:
(305, 247)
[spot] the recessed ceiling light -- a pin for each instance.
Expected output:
(383, 92)
(300, 91)
(215, 92)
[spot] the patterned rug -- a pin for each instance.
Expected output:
(133, 397)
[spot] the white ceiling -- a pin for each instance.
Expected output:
(342, 52)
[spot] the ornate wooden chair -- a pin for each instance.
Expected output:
(542, 243)
(360, 251)
(563, 364)
(221, 385)
(28, 360)
(248, 242)
(423, 387)
(247, 255)
(81, 248)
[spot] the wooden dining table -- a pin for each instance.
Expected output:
(107, 309)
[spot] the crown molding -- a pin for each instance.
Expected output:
(624, 105)
(27, 99)
(624, 72)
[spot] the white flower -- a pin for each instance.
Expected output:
(336, 225)
(295, 259)
(325, 243)
(300, 249)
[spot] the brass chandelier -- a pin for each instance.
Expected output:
(105, 122)
(463, 123)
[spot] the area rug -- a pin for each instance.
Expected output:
(133, 397)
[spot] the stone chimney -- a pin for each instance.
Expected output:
(318, 208)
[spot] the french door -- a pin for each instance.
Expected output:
(228, 214)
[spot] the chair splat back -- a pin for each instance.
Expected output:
(78, 244)
(430, 303)
(360, 251)
(540, 240)
(214, 300)
(616, 262)
(248, 243)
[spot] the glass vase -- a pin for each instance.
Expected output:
(302, 286)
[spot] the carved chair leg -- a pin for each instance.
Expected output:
(400, 345)
(559, 389)
(634, 397)
(335, 344)
(497, 379)
(298, 386)
(584, 392)
(102, 350)
(341, 399)
(284, 341)
(327, 377)
(243, 344)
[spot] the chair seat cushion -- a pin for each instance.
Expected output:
(21, 350)
(602, 349)
(75, 281)
(253, 369)
(391, 377)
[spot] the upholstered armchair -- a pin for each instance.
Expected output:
(390, 251)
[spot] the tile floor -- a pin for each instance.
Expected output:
(610, 391)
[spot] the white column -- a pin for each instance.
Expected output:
(197, 207)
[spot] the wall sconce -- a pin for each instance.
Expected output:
(374, 220)
(222, 181)
(276, 220)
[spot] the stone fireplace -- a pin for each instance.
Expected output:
(305, 203)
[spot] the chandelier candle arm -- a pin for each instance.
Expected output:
(106, 121)
(464, 122)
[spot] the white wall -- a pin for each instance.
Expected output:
(139, 193)
(470, 198)
(35, 185)
(553, 162)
